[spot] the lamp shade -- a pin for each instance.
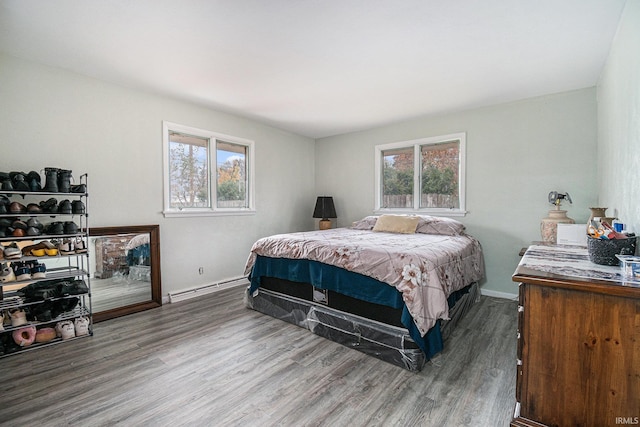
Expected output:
(324, 208)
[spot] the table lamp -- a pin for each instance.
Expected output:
(325, 210)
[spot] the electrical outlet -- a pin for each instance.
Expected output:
(201, 270)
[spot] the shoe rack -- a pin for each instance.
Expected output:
(53, 300)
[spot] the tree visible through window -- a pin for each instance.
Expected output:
(188, 170)
(206, 172)
(232, 175)
(421, 175)
(440, 175)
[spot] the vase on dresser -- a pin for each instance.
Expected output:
(549, 225)
(600, 213)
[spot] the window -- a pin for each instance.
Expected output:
(422, 176)
(206, 173)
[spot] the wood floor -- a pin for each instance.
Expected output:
(213, 362)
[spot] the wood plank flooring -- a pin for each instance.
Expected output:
(212, 362)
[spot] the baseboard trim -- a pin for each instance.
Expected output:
(206, 289)
(498, 294)
(242, 281)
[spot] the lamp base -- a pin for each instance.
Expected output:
(325, 224)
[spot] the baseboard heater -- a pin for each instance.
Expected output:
(207, 289)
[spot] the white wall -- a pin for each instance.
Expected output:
(516, 154)
(619, 122)
(51, 117)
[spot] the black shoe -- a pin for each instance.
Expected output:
(54, 228)
(4, 202)
(33, 222)
(51, 183)
(19, 224)
(18, 179)
(49, 206)
(6, 183)
(78, 207)
(33, 179)
(70, 227)
(65, 207)
(79, 188)
(64, 181)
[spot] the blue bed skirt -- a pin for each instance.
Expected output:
(348, 283)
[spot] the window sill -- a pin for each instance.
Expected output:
(205, 213)
(432, 212)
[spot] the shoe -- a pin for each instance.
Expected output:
(18, 179)
(64, 207)
(18, 317)
(4, 203)
(33, 208)
(49, 206)
(5, 179)
(41, 312)
(34, 250)
(19, 224)
(50, 249)
(21, 270)
(38, 270)
(65, 329)
(80, 246)
(51, 180)
(64, 181)
(79, 188)
(68, 304)
(40, 291)
(54, 228)
(70, 227)
(32, 231)
(33, 179)
(17, 208)
(33, 222)
(12, 252)
(66, 247)
(81, 325)
(6, 273)
(78, 207)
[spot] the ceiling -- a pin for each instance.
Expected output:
(322, 67)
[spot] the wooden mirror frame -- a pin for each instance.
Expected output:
(156, 286)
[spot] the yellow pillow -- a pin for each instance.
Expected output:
(397, 224)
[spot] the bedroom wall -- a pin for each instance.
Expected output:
(619, 122)
(516, 154)
(51, 117)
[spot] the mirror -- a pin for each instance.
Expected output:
(125, 270)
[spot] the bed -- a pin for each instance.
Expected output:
(390, 286)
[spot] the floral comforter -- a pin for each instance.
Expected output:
(426, 268)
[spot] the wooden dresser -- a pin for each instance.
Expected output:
(578, 341)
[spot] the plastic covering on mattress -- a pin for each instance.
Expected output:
(388, 343)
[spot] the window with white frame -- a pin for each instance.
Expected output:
(206, 173)
(422, 176)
